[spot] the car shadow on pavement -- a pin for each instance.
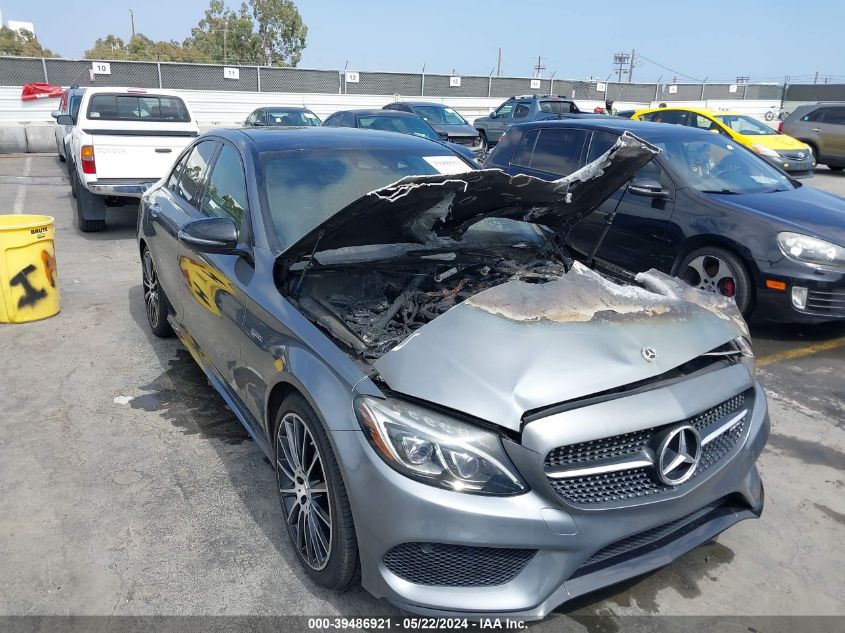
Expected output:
(185, 399)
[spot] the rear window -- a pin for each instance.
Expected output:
(130, 107)
(558, 107)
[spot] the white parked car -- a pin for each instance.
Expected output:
(122, 141)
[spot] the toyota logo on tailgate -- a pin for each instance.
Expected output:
(678, 455)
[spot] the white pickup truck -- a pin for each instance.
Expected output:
(123, 140)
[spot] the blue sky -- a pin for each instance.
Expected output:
(716, 39)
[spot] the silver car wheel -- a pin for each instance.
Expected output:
(304, 491)
(711, 273)
(151, 290)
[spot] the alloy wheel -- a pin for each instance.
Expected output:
(304, 491)
(151, 290)
(711, 273)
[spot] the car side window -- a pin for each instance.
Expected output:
(835, 116)
(522, 110)
(348, 120)
(558, 151)
(505, 110)
(522, 156)
(600, 142)
(679, 117)
(815, 115)
(192, 177)
(701, 122)
(225, 196)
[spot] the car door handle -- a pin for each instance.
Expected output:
(154, 208)
(815, 129)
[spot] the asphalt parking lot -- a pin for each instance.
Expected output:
(127, 487)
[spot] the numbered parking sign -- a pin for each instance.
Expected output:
(673, 90)
(101, 68)
(455, 82)
(352, 77)
(535, 84)
(231, 73)
(601, 87)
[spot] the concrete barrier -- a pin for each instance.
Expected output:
(12, 139)
(40, 138)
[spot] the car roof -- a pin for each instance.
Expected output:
(284, 108)
(264, 139)
(703, 111)
(377, 111)
(617, 125)
(138, 91)
(423, 103)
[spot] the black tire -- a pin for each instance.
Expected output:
(835, 167)
(62, 159)
(485, 144)
(87, 202)
(700, 269)
(71, 174)
(340, 566)
(156, 304)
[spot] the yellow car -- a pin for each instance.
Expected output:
(789, 154)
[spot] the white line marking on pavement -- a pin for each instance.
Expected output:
(20, 196)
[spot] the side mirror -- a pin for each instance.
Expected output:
(492, 114)
(211, 235)
(64, 119)
(648, 187)
(259, 123)
(55, 114)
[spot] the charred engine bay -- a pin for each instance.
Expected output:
(373, 307)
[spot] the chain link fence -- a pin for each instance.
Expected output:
(16, 71)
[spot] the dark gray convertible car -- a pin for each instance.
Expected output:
(452, 404)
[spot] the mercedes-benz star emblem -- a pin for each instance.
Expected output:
(678, 455)
(649, 353)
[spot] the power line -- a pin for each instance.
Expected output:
(675, 72)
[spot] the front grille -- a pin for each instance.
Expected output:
(794, 154)
(826, 302)
(625, 485)
(443, 565)
(639, 544)
(469, 141)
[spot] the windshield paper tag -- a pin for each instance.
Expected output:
(447, 164)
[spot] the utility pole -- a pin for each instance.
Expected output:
(631, 67)
(499, 64)
(620, 60)
(539, 67)
(225, 33)
(132, 19)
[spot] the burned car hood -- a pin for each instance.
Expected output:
(421, 209)
(520, 346)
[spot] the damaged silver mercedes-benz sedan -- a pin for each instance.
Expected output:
(453, 404)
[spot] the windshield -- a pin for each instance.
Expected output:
(306, 188)
(440, 115)
(292, 117)
(131, 107)
(719, 165)
(746, 125)
(403, 124)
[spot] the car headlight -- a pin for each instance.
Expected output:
(437, 449)
(764, 151)
(810, 250)
(743, 345)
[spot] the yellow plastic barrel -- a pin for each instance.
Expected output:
(29, 285)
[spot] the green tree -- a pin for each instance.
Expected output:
(225, 36)
(143, 48)
(281, 31)
(21, 43)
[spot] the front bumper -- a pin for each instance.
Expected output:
(391, 510)
(796, 168)
(120, 187)
(826, 293)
